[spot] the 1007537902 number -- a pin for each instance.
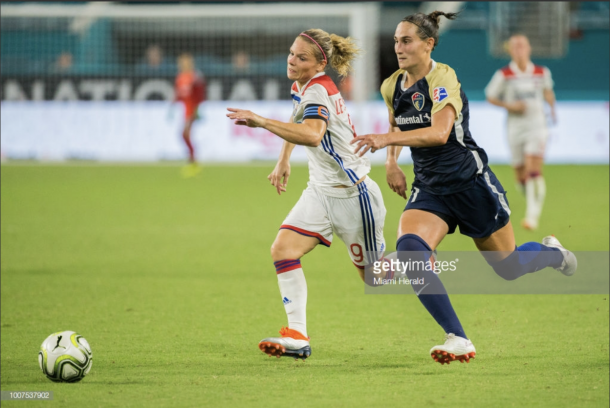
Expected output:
(27, 395)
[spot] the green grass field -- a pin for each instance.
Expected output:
(171, 282)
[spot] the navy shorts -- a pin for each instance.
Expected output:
(479, 211)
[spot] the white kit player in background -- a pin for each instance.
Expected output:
(340, 198)
(522, 88)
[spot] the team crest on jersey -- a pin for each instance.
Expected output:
(439, 94)
(418, 101)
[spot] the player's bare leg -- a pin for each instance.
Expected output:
(369, 278)
(291, 245)
(286, 252)
(424, 224)
(535, 191)
(186, 136)
(497, 246)
(192, 169)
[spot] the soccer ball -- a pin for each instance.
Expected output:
(65, 357)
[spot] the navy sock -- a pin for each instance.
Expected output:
(529, 257)
(432, 293)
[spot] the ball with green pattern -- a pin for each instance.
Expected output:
(65, 357)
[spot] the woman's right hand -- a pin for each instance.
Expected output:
(396, 180)
(281, 170)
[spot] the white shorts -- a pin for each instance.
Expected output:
(356, 214)
(529, 142)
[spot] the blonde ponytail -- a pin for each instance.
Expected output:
(344, 52)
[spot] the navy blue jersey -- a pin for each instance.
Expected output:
(445, 169)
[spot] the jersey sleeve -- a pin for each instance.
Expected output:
(387, 92)
(388, 87)
(547, 79)
(315, 103)
(444, 89)
(495, 87)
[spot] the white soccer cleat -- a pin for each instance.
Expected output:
(569, 264)
(291, 344)
(455, 348)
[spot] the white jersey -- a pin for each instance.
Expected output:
(510, 84)
(333, 162)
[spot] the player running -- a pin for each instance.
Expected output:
(521, 88)
(340, 198)
(190, 90)
(428, 111)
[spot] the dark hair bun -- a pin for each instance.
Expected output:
(435, 16)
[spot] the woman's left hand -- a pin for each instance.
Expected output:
(370, 142)
(246, 118)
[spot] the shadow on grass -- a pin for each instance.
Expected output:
(354, 366)
(127, 382)
(34, 272)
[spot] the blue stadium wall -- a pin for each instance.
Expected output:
(582, 75)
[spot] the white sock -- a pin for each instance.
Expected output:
(293, 289)
(535, 188)
(531, 208)
(540, 193)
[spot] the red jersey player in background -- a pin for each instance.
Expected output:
(190, 90)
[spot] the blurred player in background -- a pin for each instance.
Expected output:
(428, 111)
(522, 88)
(190, 90)
(340, 197)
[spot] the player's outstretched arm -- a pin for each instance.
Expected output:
(516, 107)
(308, 133)
(282, 168)
(436, 134)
